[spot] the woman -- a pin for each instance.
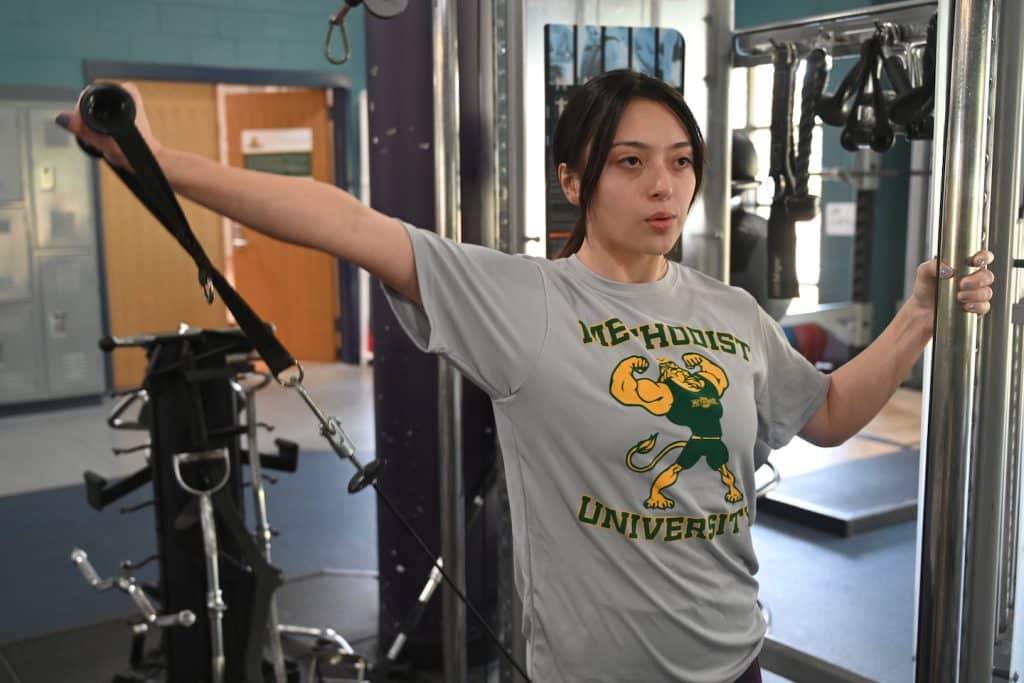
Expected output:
(595, 360)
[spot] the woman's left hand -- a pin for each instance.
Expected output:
(974, 291)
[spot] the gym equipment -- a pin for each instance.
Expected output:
(126, 582)
(382, 9)
(913, 105)
(191, 415)
(801, 205)
(215, 606)
(850, 498)
(434, 579)
(744, 163)
(109, 109)
(782, 283)
(263, 531)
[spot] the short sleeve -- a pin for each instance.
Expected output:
(790, 389)
(483, 309)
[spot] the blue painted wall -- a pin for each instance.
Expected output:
(753, 12)
(889, 233)
(44, 42)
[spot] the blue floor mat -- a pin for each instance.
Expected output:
(321, 524)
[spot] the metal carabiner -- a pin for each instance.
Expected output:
(338, 19)
(294, 380)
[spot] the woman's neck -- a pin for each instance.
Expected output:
(621, 267)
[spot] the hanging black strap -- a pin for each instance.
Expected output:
(781, 243)
(110, 110)
(804, 206)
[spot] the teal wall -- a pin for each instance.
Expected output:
(888, 244)
(44, 42)
(753, 12)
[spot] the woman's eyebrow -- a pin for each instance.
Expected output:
(643, 145)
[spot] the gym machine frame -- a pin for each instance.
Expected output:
(171, 381)
(968, 581)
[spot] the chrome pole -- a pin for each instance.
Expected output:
(717, 180)
(263, 530)
(961, 218)
(509, 129)
(987, 533)
(486, 159)
(449, 384)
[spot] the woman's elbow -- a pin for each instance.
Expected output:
(822, 432)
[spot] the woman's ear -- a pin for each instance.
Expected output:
(570, 183)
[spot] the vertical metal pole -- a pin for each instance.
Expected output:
(489, 194)
(952, 384)
(509, 129)
(263, 531)
(214, 596)
(510, 45)
(718, 136)
(986, 542)
(449, 385)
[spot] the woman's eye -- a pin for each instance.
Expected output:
(683, 162)
(630, 162)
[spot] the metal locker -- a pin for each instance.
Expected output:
(10, 156)
(61, 184)
(19, 353)
(69, 288)
(15, 274)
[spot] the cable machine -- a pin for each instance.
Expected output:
(970, 512)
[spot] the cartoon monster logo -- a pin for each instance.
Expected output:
(689, 398)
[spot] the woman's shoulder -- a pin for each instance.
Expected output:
(710, 286)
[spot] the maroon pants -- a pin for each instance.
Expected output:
(751, 675)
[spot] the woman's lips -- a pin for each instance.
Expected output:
(660, 221)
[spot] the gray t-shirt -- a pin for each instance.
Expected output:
(631, 566)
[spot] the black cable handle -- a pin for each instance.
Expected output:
(802, 206)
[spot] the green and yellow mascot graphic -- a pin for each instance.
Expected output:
(689, 398)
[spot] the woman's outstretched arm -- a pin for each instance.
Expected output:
(295, 210)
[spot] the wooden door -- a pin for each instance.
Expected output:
(294, 288)
(151, 282)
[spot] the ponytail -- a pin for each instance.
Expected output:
(575, 241)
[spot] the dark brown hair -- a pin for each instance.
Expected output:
(592, 117)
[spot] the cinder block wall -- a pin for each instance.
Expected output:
(45, 42)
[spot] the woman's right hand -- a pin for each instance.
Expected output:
(111, 151)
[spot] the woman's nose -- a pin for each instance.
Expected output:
(661, 184)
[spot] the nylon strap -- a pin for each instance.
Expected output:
(150, 186)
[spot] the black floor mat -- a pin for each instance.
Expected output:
(852, 497)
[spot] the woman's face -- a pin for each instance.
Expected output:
(646, 186)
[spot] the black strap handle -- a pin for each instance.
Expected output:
(802, 205)
(110, 110)
(781, 170)
(781, 242)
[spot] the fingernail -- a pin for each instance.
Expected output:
(945, 271)
(62, 120)
(962, 296)
(969, 307)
